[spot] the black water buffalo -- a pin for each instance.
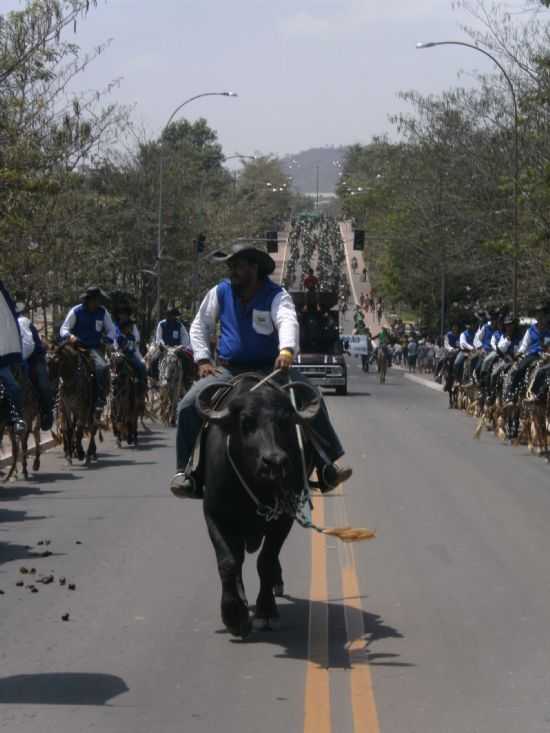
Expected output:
(251, 447)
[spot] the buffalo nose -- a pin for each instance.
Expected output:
(274, 463)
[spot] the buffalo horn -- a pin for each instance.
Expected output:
(203, 399)
(310, 397)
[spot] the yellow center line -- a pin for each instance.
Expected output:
(317, 714)
(365, 714)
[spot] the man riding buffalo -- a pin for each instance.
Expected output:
(89, 325)
(259, 332)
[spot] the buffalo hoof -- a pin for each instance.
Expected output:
(266, 623)
(236, 618)
(279, 590)
(36, 464)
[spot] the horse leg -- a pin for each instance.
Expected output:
(271, 577)
(24, 453)
(78, 437)
(36, 462)
(14, 454)
(229, 549)
(92, 450)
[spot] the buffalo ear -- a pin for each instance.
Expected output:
(309, 397)
(204, 407)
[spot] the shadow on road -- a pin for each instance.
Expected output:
(9, 515)
(61, 689)
(20, 492)
(294, 632)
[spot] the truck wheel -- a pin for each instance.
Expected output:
(341, 391)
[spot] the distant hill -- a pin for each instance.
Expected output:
(303, 168)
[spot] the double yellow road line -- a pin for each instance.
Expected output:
(318, 713)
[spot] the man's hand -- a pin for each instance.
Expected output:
(284, 360)
(206, 369)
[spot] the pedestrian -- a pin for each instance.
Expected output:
(412, 354)
(364, 275)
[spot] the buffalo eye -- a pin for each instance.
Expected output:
(248, 424)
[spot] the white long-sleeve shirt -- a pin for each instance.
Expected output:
(283, 315)
(504, 344)
(27, 341)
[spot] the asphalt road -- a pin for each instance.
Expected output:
(440, 625)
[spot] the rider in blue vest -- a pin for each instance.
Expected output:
(90, 326)
(465, 346)
(10, 356)
(172, 333)
(34, 355)
(128, 341)
(258, 332)
(490, 337)
(530, 350)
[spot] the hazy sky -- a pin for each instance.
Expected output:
(308, 72)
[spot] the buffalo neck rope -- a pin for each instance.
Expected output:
(297, 505)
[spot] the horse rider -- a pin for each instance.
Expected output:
(128, 340)
(529, 351)
(450, 350)
(172, 333)
(259, 331)
(466, 347)
(89, 325)
(311, 286)
(505, 349)
(491, 352)
(384, 340)
(34, 358)
(482, 344)
(10, 356)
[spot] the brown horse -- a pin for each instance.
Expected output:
(74, 371)
(127, 400)
(31, 416)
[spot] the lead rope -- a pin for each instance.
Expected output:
(299, 508)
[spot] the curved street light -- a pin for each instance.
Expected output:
(161, 171)
(515, 224)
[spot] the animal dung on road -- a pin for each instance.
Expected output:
(65, 617)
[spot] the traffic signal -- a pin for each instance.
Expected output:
(201, 243)
(359, 239)
(272, 239)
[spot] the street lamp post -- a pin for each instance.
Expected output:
(515, 220)
(161, 171)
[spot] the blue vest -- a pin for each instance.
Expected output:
(469, 336)
(498, 335)
(452, 339)
(248, 336)
(171, 332)
(535, 342)
(487, 335)
(89, 327)
(127, 342)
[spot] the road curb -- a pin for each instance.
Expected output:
(424, 382)
(5, 458)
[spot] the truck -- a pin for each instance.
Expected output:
(321, 357)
